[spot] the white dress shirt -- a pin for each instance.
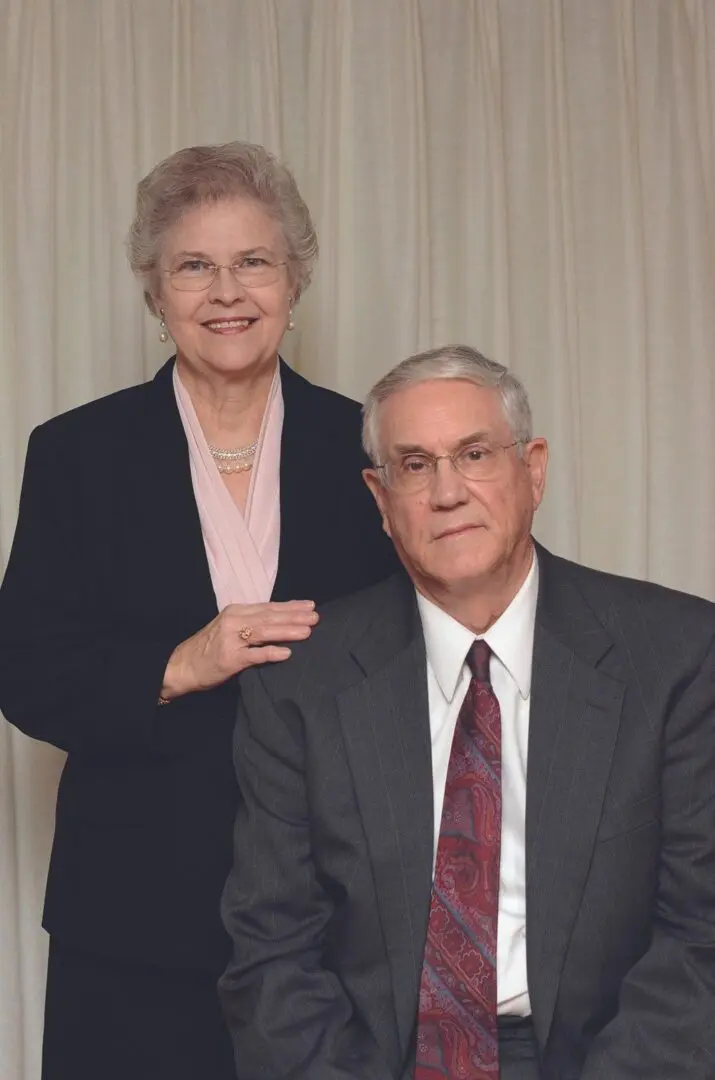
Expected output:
(511, 640)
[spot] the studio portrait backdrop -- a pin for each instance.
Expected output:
(535, 178)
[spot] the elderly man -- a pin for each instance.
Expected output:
(478, 836)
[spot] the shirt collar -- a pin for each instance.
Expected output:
(511, 638)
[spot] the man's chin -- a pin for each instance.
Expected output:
(456, 580)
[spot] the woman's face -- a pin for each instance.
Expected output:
(227, 327)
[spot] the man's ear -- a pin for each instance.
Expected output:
(536, 459)
(372, 480)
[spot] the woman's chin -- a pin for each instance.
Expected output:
(232, 360)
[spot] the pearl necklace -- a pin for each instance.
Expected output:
(234, 461)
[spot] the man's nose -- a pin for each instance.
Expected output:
(448, 486)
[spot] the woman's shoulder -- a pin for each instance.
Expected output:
(324, 405)
(101, 419)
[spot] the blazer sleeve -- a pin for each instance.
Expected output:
(288, 1015)
(665, 1025)
(69, 674)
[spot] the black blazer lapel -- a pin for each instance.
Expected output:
(167, 499)
(385, 721)
(330, 540)
(574, 719)
(302, 452)
(164, 501)
(169, 496)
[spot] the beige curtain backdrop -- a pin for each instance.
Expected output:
(534, 177)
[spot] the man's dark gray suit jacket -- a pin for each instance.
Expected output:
(329, 897)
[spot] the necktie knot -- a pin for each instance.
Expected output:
(478, 661)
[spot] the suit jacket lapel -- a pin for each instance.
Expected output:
(574, 718)
(385, 720)
(164, 501)
(302, 450)
(167, 499)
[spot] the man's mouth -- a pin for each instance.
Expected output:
(456, 530)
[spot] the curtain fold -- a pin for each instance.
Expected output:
(536, 179)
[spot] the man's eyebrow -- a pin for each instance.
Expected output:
(466, 440)
(410, 448)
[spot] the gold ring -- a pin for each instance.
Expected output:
(245, 633)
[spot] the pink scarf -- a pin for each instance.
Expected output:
(242, 549)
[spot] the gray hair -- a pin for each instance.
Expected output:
(447, 362)
(201, 174)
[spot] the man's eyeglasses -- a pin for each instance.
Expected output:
(414, 472)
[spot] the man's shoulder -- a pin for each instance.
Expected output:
(355, 608)
(615, 598)
(346, 621)
(327, 659)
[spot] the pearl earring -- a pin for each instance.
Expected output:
(291, 324)
(163, 332)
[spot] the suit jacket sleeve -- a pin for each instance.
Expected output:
(70, 674)
(665, 1026)
(288, 1015)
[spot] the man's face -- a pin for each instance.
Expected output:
(456, 535)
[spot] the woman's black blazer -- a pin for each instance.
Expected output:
(107, 574)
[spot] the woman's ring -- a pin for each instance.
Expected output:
(245, 633)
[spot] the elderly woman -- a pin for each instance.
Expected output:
(171, 536)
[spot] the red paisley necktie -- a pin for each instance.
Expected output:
(457, 1024)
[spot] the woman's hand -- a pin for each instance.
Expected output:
(241, 636)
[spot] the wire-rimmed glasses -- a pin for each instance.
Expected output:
(413, 472)
(250, 271)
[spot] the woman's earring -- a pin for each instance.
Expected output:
(163, 332)
(291, 324)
